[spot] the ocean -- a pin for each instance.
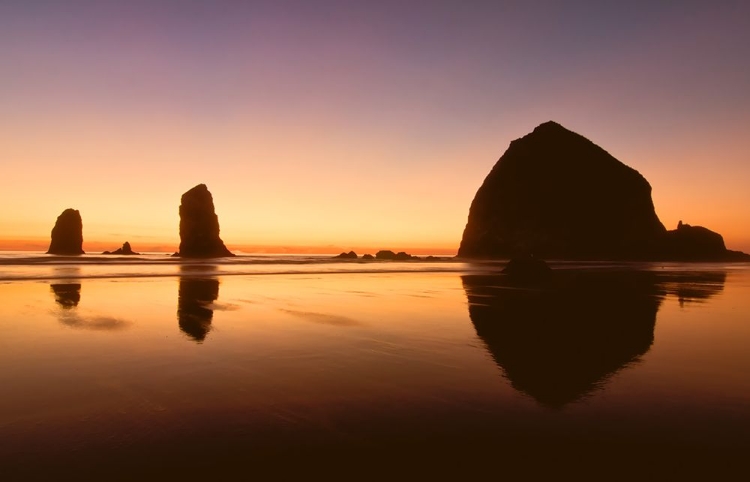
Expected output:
(151, 365)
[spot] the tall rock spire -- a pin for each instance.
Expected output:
(67, 235)
(199, 226)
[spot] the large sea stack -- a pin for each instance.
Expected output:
(199, 226)
(556, 195)
(67, 235)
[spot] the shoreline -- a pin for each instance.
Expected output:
(12, 271)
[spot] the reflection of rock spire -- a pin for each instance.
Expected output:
(67, 295)
(561, 343)
(193, 314)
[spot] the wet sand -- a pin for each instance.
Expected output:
(200, 372)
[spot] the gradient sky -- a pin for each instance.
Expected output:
(355, 124)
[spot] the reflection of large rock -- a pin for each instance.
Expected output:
(199, 226)
(67, 295)
(67, 235)
(555, 194)
(193, 314)
(693, 287)
(560, 343)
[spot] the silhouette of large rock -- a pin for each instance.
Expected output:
(67, 235)
(199, 226)
(555, 194)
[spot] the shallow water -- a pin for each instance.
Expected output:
(206, 366)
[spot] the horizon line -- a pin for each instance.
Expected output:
(97, 247)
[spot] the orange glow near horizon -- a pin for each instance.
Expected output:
(95, 247)
(321, 210)
(276, 203)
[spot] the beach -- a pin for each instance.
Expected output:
(208, 365)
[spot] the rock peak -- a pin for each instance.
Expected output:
(550, 125)
(198, 188)
(551, 131)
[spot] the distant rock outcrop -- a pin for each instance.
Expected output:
(125, 250)
(349, 255)
(368, 256)
(688, 243)
(390, 255)
(385, 254)
(67, 235)
(557, 195)
(199, 226)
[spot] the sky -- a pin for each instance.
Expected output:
(336, 125)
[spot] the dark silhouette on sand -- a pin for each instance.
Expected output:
(558, 195)
(125, 250)
(67, 235)
(67, 295)
(562, 340)
(199, 226)
(194, 297)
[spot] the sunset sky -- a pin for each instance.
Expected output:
(355, 124)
